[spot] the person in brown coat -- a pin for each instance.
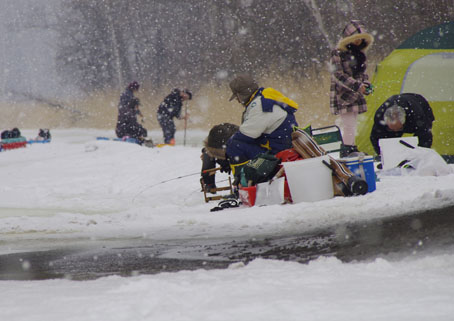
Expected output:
(349, 81)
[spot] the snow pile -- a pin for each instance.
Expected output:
(325, 289)
(78, 187)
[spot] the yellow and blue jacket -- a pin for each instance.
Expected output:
(267, 125)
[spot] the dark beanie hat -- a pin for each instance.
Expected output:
(134, 85)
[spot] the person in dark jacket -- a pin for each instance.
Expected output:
(128, 94)
(213, 152)
(128, 109)
(404, 113)
(169, 109)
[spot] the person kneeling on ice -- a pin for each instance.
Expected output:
(214, 153)
(128, 109)
(267, 122)
(404, 113)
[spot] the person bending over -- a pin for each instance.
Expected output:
(404, 113)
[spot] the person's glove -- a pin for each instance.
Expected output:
(369, 89)
(225, 165)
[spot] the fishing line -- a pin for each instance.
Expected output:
(162, 182)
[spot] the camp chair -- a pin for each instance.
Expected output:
(217, 189)
(329, 137)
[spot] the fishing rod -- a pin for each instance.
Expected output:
(185, 122)
(210, 171)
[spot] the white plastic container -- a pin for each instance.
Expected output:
(393, 152)
(270, 193)
(309, 180)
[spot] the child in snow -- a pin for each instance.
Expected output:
(349, 81)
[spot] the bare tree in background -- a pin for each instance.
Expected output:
(105, 44)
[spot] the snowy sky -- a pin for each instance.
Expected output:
(77, 187)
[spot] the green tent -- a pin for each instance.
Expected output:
(423, 64)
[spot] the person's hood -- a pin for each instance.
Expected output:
(354, 30)
(215, 143)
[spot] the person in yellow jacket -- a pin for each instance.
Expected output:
(267, 123)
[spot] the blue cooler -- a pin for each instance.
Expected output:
(363, 168)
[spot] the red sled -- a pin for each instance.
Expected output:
(13, 143)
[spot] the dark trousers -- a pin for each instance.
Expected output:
(208, 163)
(134, 131)
(168, 127)
(239, 151)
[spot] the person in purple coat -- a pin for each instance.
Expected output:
(128, 110)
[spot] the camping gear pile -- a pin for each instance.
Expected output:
(12, 139)
(303, 173)
(308, 173)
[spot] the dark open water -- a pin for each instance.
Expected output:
(421, 233)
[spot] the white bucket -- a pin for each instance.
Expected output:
(393, 152)
(309, 180)
(270, 193)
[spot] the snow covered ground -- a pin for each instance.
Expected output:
(79, 188)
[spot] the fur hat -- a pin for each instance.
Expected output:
(215, 143)
(243, 86)
(354, 31)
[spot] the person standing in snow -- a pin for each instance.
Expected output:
(128, 110)
(404, 113)
(267, 122)
(349, 81)
(170, 108)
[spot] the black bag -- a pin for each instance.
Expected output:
(14, 133)
(261, 169)
(5, 134)
(44, 133)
